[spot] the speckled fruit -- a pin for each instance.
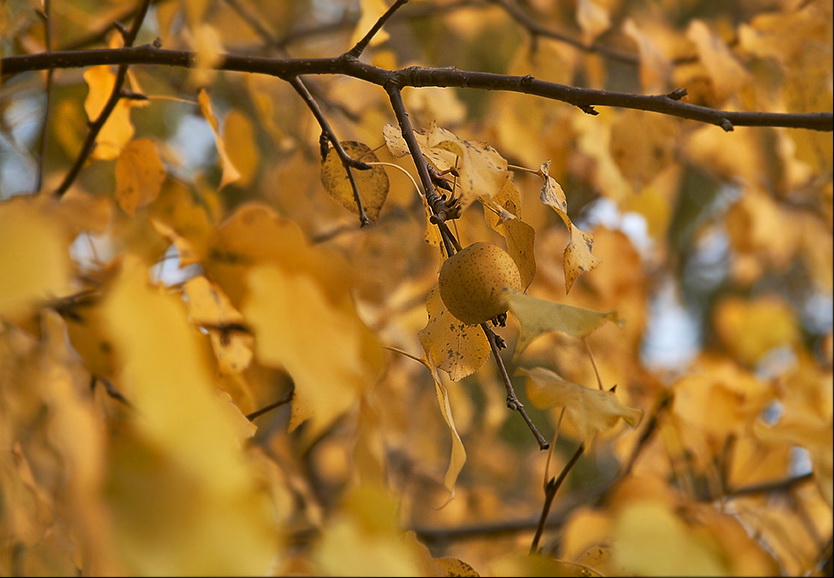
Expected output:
(473, 279)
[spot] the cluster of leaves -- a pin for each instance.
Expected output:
(222, 350)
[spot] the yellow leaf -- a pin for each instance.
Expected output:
(372, 184)
(182, 496)
(118, 129)
(519, 235)
(578, 257)
(650, 540)
(726, 72)
(458, 457)
(440, 159)
(750, 329)
(184, 221)
(139, 175)
(538, 317)
(330, 354)
(589, 410)
(34, 257)
(451, 345)
(371, 11)
(363, 538)
(643, 145)
(655, 68)
(245, 155)
(209, 308)
(230, 172)
(592, 18)
(209, 52)
(482, 172)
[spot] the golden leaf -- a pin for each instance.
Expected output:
(182, 498)
(139, 175)
(331, 355)
(589, 410)
(578, 256)
(118, 129)
(451, 345)
(372, 184)
(538, 317)
(245, 155)
(34, 257)
(230, 172)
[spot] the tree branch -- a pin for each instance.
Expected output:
(583, 98)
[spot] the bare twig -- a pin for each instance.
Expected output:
(258, 413)
(357, 50)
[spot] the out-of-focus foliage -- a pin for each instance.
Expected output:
(208, 367)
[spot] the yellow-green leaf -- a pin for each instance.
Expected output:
(538, 317)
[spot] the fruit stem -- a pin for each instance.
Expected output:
(512, 399)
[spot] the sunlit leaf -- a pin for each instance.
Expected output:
(590, 410)
(538, 317)
(372, 184)
(182, 498)
(118, 129)
(34, 257)
(458, 457)
(451, 345)
(750, 329)
(294, 322)
(230, 172)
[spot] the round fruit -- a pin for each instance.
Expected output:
(472, 282)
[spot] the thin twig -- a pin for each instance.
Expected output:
(283, 401)
(512, 399)
(357, 50)
(550, 494)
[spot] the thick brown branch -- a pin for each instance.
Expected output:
(583, 98)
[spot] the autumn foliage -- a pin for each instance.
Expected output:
(224, 351)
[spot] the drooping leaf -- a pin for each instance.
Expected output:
(451, 345)
(589, 410)
(372, 184)
(578, 256)
(230, 173)
(538, 317)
